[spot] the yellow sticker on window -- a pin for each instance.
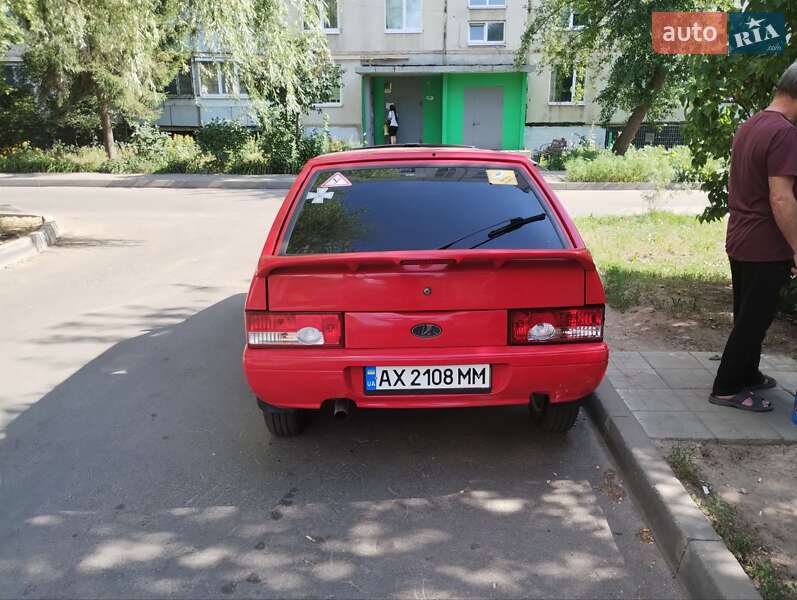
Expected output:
(501, 176)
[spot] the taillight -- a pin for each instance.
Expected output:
(293, 329)
(552, 326)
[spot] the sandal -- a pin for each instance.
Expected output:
(766, 383)
(744, 400)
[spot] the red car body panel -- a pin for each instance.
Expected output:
(377, 295)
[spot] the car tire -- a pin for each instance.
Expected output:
(555, 418)
(284, 422)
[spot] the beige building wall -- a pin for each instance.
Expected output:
(363, 47)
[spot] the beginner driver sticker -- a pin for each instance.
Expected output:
(337, 180)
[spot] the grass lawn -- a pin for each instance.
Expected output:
(668, 261)
(669, 277)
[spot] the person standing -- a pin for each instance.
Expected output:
(761, 241)
(392, 123)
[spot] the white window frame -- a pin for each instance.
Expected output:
(573, 83)
(404, 28)
(487, 6)
(483, 41)
(321, 11)
(190, 73)
(570, 24)
(333, 104)
(232, 86)
(337, 19)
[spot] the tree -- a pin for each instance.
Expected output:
(612, 41)
(9, 28)
(723, 92)
(124, 52)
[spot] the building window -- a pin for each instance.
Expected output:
(403, 16)
(330, 101)
(328, 12)
(486, 32)
(182, 85)
(576, 21)
(567, 86)
(486, 3)
(14, 75)
(216, 79)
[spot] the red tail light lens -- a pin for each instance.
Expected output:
(555, 326)
(266, 329)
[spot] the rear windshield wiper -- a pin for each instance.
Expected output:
(512, 224)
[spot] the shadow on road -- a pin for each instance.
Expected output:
(149, 472)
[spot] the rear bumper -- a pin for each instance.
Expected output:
(306, 377)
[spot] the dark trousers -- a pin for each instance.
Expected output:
(756, 291)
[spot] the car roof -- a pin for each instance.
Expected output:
(416, 151)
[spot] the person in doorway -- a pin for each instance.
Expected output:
(761, 241)
(392, 123)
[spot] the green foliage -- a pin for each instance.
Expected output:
(122, 53)
(147, 140)
(25, 158)
(770, 584)
(734, 531)
(682, 461)
(615, 45)
(282, 148)
(554, 155)
(249, 159)
(653, 164)
(222, 139)
(670, 262)
(152, 151)
(41, 119)
(723, 92)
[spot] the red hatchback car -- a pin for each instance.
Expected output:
(423, 277)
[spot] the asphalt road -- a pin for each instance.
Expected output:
(134, 462)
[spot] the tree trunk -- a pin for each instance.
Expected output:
(638, 115)
(107, 129)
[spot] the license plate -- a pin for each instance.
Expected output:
(464, 378)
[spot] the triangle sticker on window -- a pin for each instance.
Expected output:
(337, 180)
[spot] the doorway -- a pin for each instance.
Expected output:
(407, 94)
(483, 117)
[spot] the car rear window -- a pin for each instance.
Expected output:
(419, 208)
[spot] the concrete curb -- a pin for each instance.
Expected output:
(607, 185)
(178, 181)
(31, 244)
(244, 182)
(697, 555)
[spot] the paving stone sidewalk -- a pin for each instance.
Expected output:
(668, 394)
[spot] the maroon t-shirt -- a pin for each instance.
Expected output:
(764, 146)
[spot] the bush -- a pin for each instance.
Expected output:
(654, 164)
(313, 145)
(648, 164)
(181, 154)
(281, 147)
(222, 139)
(148, 141)
(24, 158)
(152, 151)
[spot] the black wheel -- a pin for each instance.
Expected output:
(556, 418)
(284, 422)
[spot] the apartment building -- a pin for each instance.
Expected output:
(447, 65)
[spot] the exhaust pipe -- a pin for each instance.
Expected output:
(341, 408)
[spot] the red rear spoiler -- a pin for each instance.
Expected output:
(354, 261)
